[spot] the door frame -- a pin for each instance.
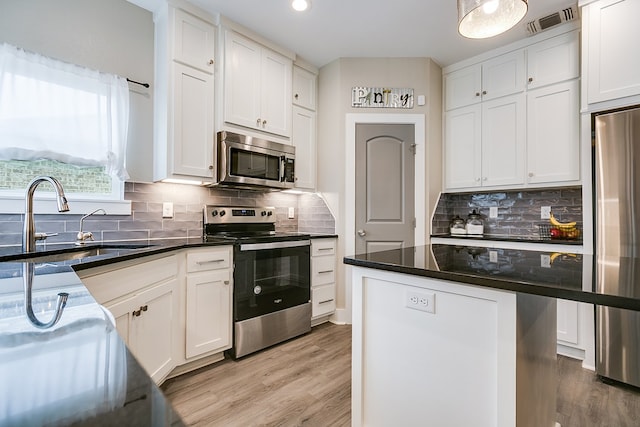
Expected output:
(418, 121)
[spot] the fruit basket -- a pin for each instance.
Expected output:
(558, 230)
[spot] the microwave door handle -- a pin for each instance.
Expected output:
(283, 166)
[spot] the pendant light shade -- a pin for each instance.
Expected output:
(479, 19)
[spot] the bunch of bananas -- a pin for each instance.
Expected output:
(564, 230)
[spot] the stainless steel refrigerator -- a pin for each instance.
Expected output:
(617, 234)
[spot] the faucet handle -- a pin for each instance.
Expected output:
(82, 237)
(43, 236)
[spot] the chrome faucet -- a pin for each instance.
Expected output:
(29, 234)
(81, 237)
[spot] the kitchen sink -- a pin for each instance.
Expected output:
(80, 252)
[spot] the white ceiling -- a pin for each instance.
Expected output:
(333, 29)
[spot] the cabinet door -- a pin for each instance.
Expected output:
(503, 140)
(304, 88)
(568, 321)
(145, 322)
(613, 56)
(553, 140)
(242, 80)
(303, 137)
(208, 317)
(553, 60)
(463, 147)
(463, 87)
(503, 75)
(275, 106)
(193, 41)
(193, 134)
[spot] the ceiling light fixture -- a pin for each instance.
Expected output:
(301, 5)
(480, 19)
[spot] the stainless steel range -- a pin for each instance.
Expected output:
(271, 276)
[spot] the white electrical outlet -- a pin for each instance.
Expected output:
(292, 213)
(493, 256)
(493, 212)
(545, 261)
(167, 210)
(545, 212)
(421, 301)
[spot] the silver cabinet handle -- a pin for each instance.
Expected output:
(325, 271)
(210, 261)
(325, 301)
(258, 122)
(211, 62)
(264, 124)
(362, 233)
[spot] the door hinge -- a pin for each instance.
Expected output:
(413, 148)
(414, 222)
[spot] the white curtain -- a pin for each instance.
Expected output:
(60, 111)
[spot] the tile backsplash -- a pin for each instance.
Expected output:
(518, 211)
(146, 222)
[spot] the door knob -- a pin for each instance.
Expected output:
(362, 233)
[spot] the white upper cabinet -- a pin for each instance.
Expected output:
(304, 140)
(193, 41)
(522, 129)
(553, 134)
(553, 60)
(610, 49)
(503, 75)
(500, 76)
(304, 88)
(184, 97)
(257, 84)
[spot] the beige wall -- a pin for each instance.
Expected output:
(113, 36)
(334, 102)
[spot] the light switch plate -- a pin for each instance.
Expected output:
(545, 261)
(493, 212)
(167, 210)
(493, 256)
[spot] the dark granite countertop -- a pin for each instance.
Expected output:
(552, 274)
(78, 372)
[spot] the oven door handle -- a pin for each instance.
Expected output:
(274, 245)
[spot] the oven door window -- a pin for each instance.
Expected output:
(269, 280)
(255, 165)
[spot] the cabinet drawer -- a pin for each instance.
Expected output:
(113, 284)
(323, 247)
(323, 270)
(323, 300)
(210, 259)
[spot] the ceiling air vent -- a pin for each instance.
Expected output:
(569, 13)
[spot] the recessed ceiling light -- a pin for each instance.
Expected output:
(301, 5)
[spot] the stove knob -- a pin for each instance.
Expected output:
(257, 290)
(214, 213)
(222, 213)
(263, 213)
(269, 213)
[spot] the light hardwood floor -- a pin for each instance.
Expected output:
(306, 382)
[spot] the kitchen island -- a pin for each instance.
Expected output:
(461, 335)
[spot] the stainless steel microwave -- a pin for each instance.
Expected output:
(245, 161)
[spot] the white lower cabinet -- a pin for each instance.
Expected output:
(173, 312)
(143, 297)
(145, 321)
(323, 279)
(208, 301)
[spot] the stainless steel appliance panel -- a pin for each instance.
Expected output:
(260, 332)
(617, 215)
(247, 162)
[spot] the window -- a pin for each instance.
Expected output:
(62, 120)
